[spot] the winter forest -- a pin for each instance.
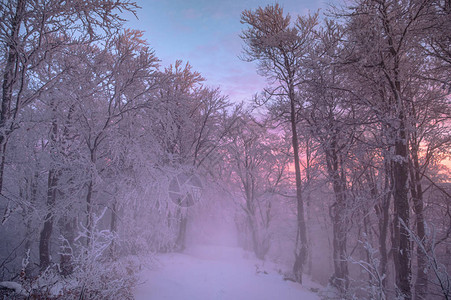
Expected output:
(332, 182)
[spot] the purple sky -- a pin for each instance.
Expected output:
(206, 33)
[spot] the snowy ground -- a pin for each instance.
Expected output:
(217, 272)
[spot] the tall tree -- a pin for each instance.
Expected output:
(280, 48)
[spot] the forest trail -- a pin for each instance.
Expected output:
(216, 272)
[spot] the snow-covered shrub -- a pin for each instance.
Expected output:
(95, 274)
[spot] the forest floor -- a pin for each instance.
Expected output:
(217, 272)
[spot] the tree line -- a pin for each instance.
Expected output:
(366, 91)
(92, 131)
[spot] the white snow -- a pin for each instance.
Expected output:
(216, 272)
(11, 285)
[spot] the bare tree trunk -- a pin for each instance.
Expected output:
(89, 195)
(9, 79)
(421, 283)
(369, 237)
(181, 236)
(68, 223)
(3, 142)
(382, 212)
(89, 212)
(44, 241)
(340, 278)
(67, 228)
(32, 186)
(301, 247)
(307, 189)
(400, 166)
(401, 205)
(384, 218)
(338, 210)
(113, 228)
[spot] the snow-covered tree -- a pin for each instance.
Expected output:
(259, 166)
(30, 32)
(280, 48)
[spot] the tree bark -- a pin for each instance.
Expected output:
(181, 235)
(416, 190)
(32, 187)
(67, 228)
(382, 209)
(400, 164)
(113, 229)
(340, 278)
(46, 233)
(9, 79)
(308, 199)
(89, 212)
(401, 205)
(384, 218)
(301, 247)
(89, 195)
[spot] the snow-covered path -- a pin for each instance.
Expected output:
(216, 272)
